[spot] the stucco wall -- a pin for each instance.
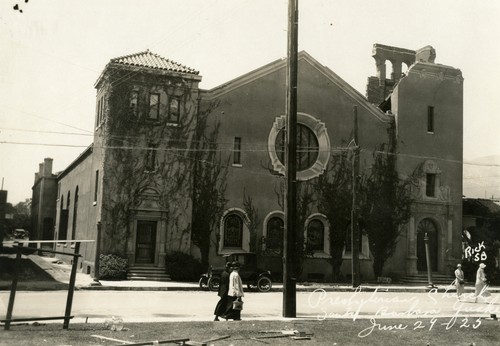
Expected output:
(80, 176)
(248, 110)
(439, 151)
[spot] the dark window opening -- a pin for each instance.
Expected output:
(430, 119)
(75, 213)
(174, 111)
(96, 187)
(430, 185)
(315, 236)
(237, 151)
(98, 113)
(134, 97)
(233, 231)
(275, 228)
(154, 106)
(151, 158)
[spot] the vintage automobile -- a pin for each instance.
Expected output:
(253, 277)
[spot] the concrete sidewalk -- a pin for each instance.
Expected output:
(61, 274)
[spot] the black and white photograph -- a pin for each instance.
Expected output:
(248, 172)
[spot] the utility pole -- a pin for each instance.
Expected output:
(428, 260)
(289, 241)
(354, 210)
(97, 273)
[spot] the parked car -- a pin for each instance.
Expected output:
(21, 234)
(252, 276)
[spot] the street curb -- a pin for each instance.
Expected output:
(301, 289)
(62, 286)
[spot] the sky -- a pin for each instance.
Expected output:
(53, 51)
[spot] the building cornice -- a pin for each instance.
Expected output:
(86, 153)
(438, 71)
(274, 66)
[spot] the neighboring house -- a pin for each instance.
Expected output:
(481, 221)
(136, 179)
(43, 207)
(3, 214)
(481, 234)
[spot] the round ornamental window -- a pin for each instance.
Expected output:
(307, 147)
(313, 146)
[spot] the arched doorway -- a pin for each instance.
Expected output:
(427, 226)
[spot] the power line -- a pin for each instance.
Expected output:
(254, 148)
(249, 147)
(50, 120)
(53, 132)
(170, 33)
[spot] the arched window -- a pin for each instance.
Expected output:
(315, 235)
(63, 219)
(233, 231)
(75, 212)
(274, 238)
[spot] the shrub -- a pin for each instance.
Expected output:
(112, 267)
(183, 267)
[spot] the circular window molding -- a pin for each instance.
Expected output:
(319, 130)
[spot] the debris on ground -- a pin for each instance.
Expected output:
(264, 334)
(154, 342)
(114, 323)
(217, 338)
(111, 339)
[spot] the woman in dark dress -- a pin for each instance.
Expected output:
(221, 307)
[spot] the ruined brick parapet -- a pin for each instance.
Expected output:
(379, 87)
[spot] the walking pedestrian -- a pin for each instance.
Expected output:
(235, 294)
(459, 280)
(481, 283)
(220, 308)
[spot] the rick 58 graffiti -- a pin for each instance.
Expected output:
(476, 253)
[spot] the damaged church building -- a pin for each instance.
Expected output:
(173, 167)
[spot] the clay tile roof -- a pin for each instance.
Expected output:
(151, 60)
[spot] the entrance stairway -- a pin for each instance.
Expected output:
(421, 279)
(147, 273)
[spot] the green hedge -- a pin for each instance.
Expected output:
(112, 267)
(183, 267)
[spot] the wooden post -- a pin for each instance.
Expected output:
(289, 243)
(96, 282)
(428, 260)
(71, 289)
(354, 210)
(13, 287)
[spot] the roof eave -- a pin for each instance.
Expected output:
(192, 76)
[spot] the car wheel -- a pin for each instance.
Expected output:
(213, 283)
(203, 283)
(264, 284)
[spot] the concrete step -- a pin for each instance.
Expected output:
(148, 278)
(423, 279)
(147, 273)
